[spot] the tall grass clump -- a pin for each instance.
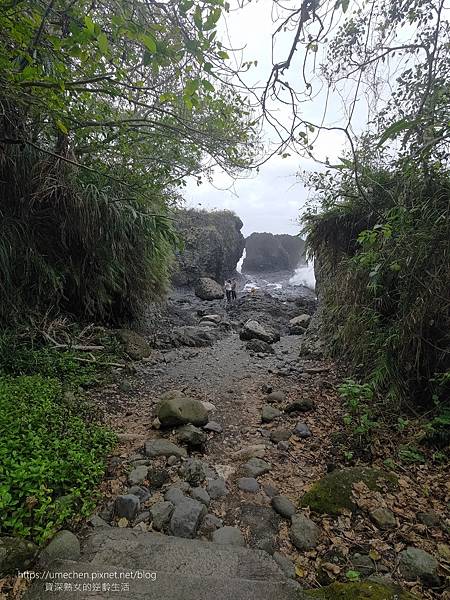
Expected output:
(383, 265)
(76, 241)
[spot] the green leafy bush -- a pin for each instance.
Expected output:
(383, 264)
(51, 459)
(359, 420)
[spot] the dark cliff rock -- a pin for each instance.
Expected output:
(213, 245)
(269, 252)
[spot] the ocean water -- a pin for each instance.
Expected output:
(304, 276)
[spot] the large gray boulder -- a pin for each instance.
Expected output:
(177, 409)
(186, 518)
(194, 336)
(212, 245)
(269, 252)
(208, 289)
(254, 330)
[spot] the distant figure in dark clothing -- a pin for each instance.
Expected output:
(233, 289)
(228, 289)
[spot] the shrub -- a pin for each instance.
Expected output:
(51, 459)
(74, 242)
(383, 264)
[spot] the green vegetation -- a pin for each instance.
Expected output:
(51, 458)
(105, 110)
(359, 421)
(52, 451)
(386, 278)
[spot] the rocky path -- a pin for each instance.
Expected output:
(245, 433)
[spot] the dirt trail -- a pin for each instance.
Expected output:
(226, 375)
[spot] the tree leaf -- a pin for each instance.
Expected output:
(103, 43)
(149, 42)
(394, 129)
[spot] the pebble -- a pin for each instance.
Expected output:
(269, 413)
(174, 495)
(209, 524)
(414, 563)
(161, 513)
(194, 471)
(127, 506)
(217, 488)
(138, 475)
(430, 519)
(255, 467)
(279, 435)
(276, 397)
(304, 533)
(283, 506)
(172, 460)
(213, 426)
(270, 490)
(383, 518)
(248, 484)
(283, 446)
(161, 447)
(140, 491)
(302, 430)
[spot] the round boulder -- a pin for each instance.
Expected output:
(208, 289)
(177, 409)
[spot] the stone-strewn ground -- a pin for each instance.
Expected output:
(281, 411)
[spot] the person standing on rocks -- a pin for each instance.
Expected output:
(228, 289)
(233, 289)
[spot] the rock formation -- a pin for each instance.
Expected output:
(213, 245)
(269, 252)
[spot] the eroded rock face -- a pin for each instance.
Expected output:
(269, 252)
(213, 245)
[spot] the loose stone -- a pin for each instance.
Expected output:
(217, 488)
(304, 533)
(283, 506)
(255, 467)
(161, 513)
(248, 484)
(127, 506)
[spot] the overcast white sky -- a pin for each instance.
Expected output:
(272, 199)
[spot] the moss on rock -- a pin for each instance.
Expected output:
(367, 590)
(333, 493)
